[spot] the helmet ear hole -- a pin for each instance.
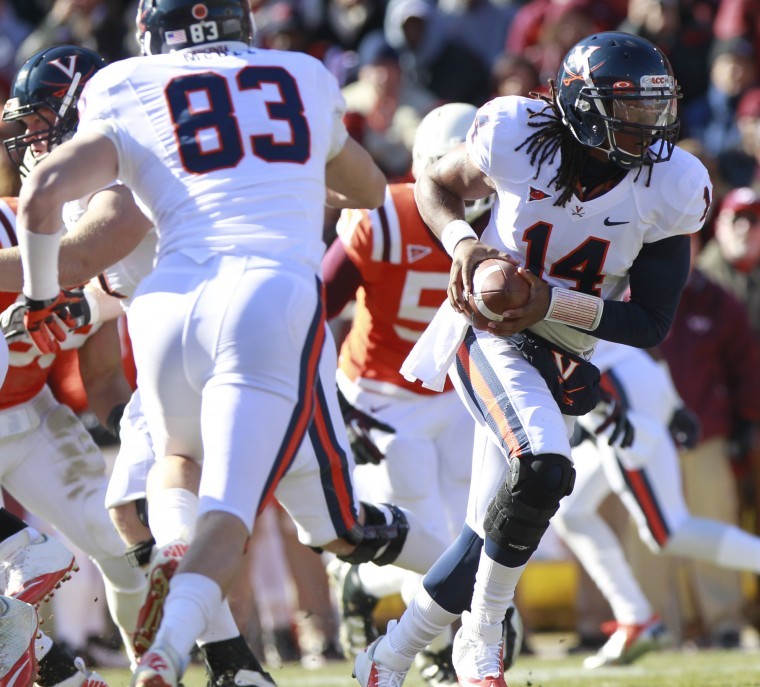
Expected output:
(593, 130)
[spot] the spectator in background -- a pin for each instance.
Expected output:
(514, 75)
(527, 25)
(100, 25)
(714, 358)
(682, 29)
(563, 25)
(280, 26)
(13, 31)
(347, 22)
(740, 165)
(739, 18)
(29, 11)
(712, 117)
(480, 25)
(433, 57)
(732, 258)
(384, 107)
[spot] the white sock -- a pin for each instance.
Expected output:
(442, 641)
(421, 623)
(173, 513)
(494, 589)
(222, 626)
(192, 602)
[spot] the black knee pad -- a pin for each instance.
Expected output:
(519, 514)
(381, 541)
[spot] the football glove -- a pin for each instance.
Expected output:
(47, 321)
(359, 425)
(685, 428)
(12, 321)
(616, 417)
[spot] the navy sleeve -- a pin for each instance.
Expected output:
(341, 278)
(657, 277)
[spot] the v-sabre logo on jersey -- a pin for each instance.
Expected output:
(537, 194)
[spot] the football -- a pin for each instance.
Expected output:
(497, 286)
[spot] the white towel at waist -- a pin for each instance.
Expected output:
(433, 354)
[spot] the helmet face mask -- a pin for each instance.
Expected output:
(44, 99)
(164, 26)
(617, 93)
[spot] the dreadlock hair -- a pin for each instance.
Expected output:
(552, 135)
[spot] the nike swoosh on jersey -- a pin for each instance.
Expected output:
(609, 223)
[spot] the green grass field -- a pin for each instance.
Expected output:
(665, 669)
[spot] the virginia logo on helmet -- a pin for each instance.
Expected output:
(577, 67)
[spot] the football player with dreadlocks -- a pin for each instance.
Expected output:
(591, 197)
(412, 445)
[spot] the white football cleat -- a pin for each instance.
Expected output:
(162, 569)
(370, 672)
(478, 656)
(18, 630)
(629, 642)
(91, 678)
(159, 667)
(33, 565)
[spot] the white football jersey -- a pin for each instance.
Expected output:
(587, 246)
(196, 128)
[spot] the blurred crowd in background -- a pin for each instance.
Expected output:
(396, 60)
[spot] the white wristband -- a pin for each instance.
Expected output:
(39, 258)
(454, 232)
(574, 308)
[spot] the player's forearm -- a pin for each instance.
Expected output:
(437, 205)
(39, 234)
(74, 267)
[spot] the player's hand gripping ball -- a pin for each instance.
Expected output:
(496, 286)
